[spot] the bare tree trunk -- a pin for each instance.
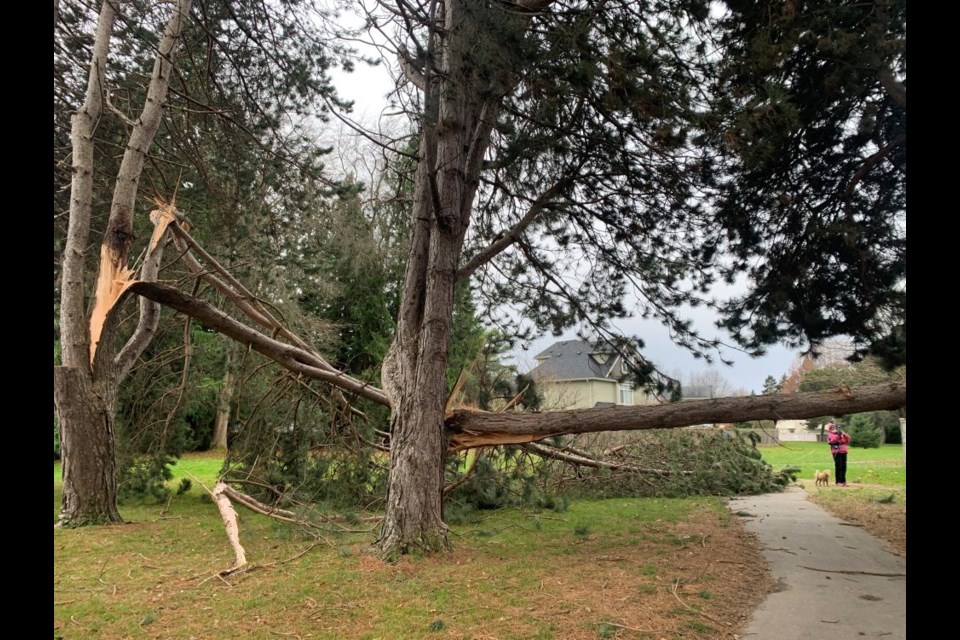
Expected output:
(224, 402)
(459, 115)
(86, 448)
(85, 387)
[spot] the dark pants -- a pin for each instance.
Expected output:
(840, 467)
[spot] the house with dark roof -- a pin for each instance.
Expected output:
(573, 374)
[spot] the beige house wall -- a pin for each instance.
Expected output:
(795, 431)
(584, 394)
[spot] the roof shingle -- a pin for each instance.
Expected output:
(570, 360)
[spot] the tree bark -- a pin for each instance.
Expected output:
(471, 429)
(86, 448)
(85, 387)
(458, 119)
(414, 514)
(85, 417)
(224, 403)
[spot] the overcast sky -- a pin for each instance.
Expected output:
(746, 373)
(368, 87)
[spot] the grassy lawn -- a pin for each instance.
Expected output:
(881, 466)
(618, 568)
(877, 496)
(597, 570)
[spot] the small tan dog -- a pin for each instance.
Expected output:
(823, 478)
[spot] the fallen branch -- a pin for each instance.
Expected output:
(229, 515)
(622, 626)
(577, 459)
(857, 573)
(258, 507)
(673, 590)
(284, 515)
(468, 429)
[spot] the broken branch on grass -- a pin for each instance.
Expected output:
(858, 573)
(229, 515)
(622, 626)
(285, 515)
(673, 590)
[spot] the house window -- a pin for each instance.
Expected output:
(626, 393)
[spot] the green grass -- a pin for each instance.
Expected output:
(204, 467)
(880, 466)
(155, 576)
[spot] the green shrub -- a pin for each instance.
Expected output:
(865, 431)
(889, 421)
(674, 463)
(144, 478)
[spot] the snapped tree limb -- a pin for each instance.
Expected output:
(114, 274)
(290, 357)
(469, 429)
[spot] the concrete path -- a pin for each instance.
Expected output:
(834, 581)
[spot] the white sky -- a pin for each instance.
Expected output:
(746, 373)
(368, 88)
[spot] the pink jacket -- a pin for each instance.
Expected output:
(838, 441)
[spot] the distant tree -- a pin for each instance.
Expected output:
(844, 375)
(710, 379)
(850, 375)
(770, 386)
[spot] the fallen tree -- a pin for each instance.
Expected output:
(467, 429)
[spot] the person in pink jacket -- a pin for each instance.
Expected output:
(838, 441)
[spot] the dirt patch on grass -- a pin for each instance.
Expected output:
(882, 513)
(697, 578)
(702, 578)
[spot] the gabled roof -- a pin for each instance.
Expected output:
(572, 360)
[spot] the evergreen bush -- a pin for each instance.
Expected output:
(865, 431)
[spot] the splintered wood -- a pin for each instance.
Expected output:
(229, 515)
(114, 276)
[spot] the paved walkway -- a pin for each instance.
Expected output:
(834, 581)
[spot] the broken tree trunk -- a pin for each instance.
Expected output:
(85, 385)
(473, 429)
